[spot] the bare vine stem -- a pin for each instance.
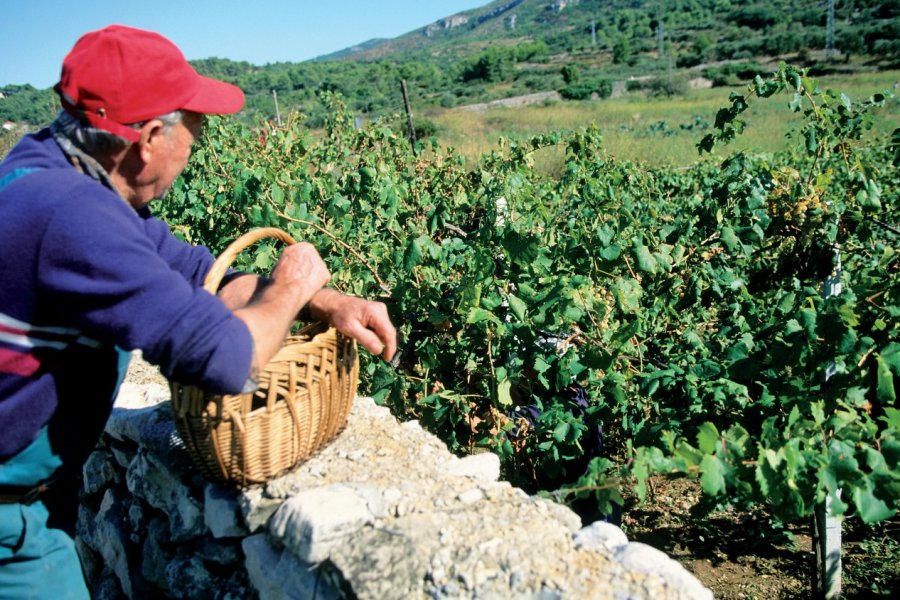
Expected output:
(341, 243)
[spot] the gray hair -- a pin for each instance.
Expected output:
(97, 142)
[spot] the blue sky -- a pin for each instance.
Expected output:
(37, 34)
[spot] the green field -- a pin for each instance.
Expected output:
(652, 131)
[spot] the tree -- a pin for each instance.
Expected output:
(26, 104)
(621, 50)
(571, 74)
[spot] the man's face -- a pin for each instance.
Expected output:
(179, 140)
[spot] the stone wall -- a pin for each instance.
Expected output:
(385, 511)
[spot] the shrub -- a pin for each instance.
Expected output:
(584, 90)
(571, 74)
(425, 128)
(667, 86)
(734, 73)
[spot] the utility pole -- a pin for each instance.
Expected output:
(829, 31)
(660, 38)
(594, 32)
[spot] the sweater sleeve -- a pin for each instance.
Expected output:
(100, 271)
(193, 262)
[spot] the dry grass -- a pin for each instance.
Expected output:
(655, 132)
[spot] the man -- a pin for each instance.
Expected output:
(88, 275)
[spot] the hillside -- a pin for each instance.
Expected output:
(513, 47)
(708, 29)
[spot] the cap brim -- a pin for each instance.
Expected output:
(215, 97)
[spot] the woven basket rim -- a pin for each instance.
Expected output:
(207, 420)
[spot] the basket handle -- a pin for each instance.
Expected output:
(220, 267)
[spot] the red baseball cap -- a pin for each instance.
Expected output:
(120, 75)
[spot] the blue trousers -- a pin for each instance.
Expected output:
(36, 560)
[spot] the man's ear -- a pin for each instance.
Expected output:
(152, 133)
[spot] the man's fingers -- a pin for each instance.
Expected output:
(367, 338)
(380, 323)
(373, 330)
(387, 334)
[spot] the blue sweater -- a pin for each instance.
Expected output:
(82, 272)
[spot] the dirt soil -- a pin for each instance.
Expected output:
(740, 555)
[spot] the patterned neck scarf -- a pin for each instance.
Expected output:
(83, 162)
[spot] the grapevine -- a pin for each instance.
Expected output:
(615, 321)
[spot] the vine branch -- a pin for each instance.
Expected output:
(341, 243)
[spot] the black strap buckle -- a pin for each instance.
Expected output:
(32, 495)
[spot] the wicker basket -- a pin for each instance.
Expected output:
(304, 396)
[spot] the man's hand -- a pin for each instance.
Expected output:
(365, 321)
(300, 265)
(299, 276)
(269, 307)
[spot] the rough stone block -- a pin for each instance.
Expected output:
(280, 574)
(108, 538)
(162, 488)
(471, 496)
(222, 552)
(636, 556)
(122, 452)
(312, 522)
(154, 557)
(189, 578)
(600, 535)
(257, 509)
(137, 410)
(99, 472)
(483, 467)
(221, 512)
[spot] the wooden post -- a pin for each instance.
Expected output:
(410, 129)
(826, 528)
(277, 112)
(827, 543)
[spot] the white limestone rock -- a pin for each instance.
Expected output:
(221, 512)
(483, 467)
(162, 488)
(314, 521)
(257, 508)
(98, 471)
(600, 535)
(643, 558)
(280, 574)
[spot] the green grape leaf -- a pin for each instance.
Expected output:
(708, 438)
(871, 508)
(712, 477)
(517, 306)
